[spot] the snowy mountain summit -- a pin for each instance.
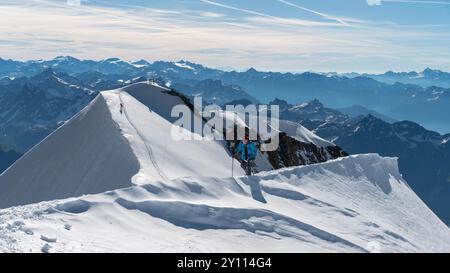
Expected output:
(113, 179)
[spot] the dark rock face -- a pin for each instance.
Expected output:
(292, 152)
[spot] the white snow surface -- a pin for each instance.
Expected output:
(354, 204)
(184, 65)
(107, 181)
(300, 133)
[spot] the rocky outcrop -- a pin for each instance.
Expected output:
(292, 152)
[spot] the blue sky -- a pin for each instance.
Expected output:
(277, 35)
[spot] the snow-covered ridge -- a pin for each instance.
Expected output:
(103, 149)
(300, 133)
(354, 204)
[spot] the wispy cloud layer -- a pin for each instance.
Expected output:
(326, 16)
(218, 33)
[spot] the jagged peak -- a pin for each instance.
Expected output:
(315, 102)
(211, 82)
(431, 72)
(279, 102)
(140, 62)
(371, 118)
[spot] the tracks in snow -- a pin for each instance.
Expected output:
(142, 137)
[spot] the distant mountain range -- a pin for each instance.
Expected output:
(214, 91)
(33, 107)
(170, 70)
(313, 110)
(400, 101)
(428, 77)
(425, 102)
(423, 154)
(357, 110)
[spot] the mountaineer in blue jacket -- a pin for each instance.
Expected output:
(248, 154)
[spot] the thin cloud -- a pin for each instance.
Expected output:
(252, 12)
(326, 16)
(212, 14)
(272, 19)
(290, 22)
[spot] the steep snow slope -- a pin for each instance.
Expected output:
(103, 149)
(354, 204)
(67, 163)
